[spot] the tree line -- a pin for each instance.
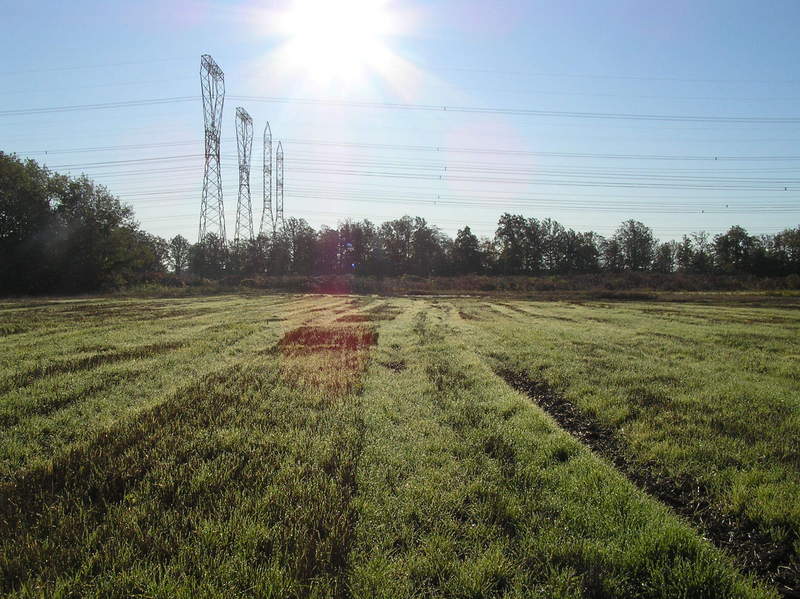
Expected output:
(520, 246)
(59, 233)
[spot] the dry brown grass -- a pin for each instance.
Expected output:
(329, 359)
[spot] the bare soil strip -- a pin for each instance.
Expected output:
(755, 552)
(355, 318)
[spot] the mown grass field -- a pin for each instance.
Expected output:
(334, 446)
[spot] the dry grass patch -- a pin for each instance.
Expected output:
(329, 359)
(310, 339)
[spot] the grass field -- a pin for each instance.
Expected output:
(334, 446)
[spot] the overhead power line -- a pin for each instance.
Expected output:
(485, 70)
(488, 203)
(442, 150)
(103, 106)
(517, 73)
(94, 66)
(464, 171)
(130, 161)
(524, 111)
(425, 107)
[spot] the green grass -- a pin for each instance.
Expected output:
(321, 446)
(707, 394)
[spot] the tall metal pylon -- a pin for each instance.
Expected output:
(212, 211)
(244, 144)
(267, 216)
(279, 186)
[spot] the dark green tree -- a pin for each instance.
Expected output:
(637, 245)
(279, 257)
(302, 242)
(612, 257)
(256, 255)
(555, 251)
(585, 251)
(702, 258)
(510, 240)
(358, 244)
(395, 237)
(25, 218)
(328, 252)
(209, 257)
(664, 259)
(178, 254)
(467, 258)
(734, 250)
(428, 253)
(786, 248)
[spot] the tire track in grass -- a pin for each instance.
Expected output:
(754, 551)
(71, 365)
(16, 410)
(764, 550)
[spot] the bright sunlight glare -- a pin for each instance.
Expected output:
(341, 40)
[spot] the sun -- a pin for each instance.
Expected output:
(334, 41)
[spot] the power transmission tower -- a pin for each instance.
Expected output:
(266, 212)
(279, 186)
(244, 143)
(212, 212)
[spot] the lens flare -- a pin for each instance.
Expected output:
(338, 41)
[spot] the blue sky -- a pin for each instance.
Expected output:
(568, 62)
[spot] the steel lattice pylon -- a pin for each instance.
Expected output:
(279, 186)
(244, 144)
(267, 216)
(212, 211)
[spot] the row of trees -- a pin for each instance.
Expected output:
(64, 234)
(520, 246)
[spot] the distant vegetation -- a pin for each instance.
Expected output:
(62, 234)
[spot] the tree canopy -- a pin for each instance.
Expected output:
(59, 233)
